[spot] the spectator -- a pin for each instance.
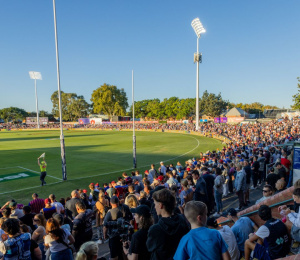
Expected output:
(164, 237)
(111, 191)
(60, 219)
(40, 232)
(15, 245)
(137, 247)
(247, 170)
(210, 182)
(261, 160)
(272, 231)
(82, 225)
(132, 199)
(280, 186)
(49, 210)
(27, 219)
(116, 212)
(149, 176)
(153, 171)
(171, 181)
(35, 251)
(36, 204)
(102, 207)
(71, 211)
(15, 212)
(294, 217)
(228, 237)
(201, 242)
(241, 229)
(218, 190)
(59, 207)
(240, 185)
(59, 241)
(88, 251)
(94, 194)
(272, 178)
(267, 193)
(163, 168)
(281, 171)
(200, 192)
(186, 193)
(255, 172)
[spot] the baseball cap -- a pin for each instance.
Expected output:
(92, 183)
(114, 200)
(146, 171)
(12, 204)
(113, 182)
(142, 210)
(232, 212)
(47, 201)
(160, 178)
(84, 191)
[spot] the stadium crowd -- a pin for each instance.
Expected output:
(170, 211)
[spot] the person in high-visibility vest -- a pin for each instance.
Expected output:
(43, 166)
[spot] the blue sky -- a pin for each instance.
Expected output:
(251, 49)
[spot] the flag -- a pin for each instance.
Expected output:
(42, 156)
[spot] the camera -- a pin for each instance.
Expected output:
(121, 228)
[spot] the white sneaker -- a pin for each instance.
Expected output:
(99, 242)
(216, 215)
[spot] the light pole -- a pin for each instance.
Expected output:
(133, 126)
(62, 140)
(198, 28)
(36, 75)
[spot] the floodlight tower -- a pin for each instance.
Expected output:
(198, 28)
(36, 75)
(133, 126)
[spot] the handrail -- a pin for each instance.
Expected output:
(256, 211)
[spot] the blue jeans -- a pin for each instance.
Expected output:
(41, 246)
(62, 255)
(218, 199)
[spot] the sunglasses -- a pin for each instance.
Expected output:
(36, 219)
(266, 191)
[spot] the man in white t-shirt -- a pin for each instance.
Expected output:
(59, 207)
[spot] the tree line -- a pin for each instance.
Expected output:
(110, 100)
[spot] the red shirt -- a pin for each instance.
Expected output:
(36, 205)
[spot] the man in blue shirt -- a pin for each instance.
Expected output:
(201, 242)
(241, 229)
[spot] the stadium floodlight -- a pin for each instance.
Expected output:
(198, 28)
(36, 75)
(62, 140)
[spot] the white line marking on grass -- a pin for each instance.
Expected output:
(29, 188)
(38, 172)
(9, 167)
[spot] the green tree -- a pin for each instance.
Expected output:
(212, 105)
(296, 97)
(73, 106)
(13, 114)
(109, 100)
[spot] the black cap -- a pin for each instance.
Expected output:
(142, 210)
(232, 212)
(114, 200)
(212, 222)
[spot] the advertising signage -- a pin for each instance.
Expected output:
(32, 120)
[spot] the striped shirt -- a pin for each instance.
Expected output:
(36, 205)
(16, 248)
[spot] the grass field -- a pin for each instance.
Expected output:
(92, 156)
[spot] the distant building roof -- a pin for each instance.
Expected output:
(236, 111)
